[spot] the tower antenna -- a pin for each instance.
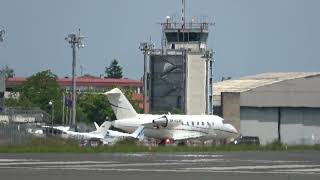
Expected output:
(183, 13)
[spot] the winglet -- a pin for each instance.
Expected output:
(96, 125)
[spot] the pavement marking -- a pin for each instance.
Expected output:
(301, 170)
(55, 162)
(175, 170)
(16, 160)
(254, 167)
(196, 160)
(180, 163)
(117, 165)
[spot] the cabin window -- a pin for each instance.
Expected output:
(198, 123)
(192, 123)
(187, 123)
(202, 123)
(212, 123)
(208, 124)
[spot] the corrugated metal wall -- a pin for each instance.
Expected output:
(262, 122)
(300, 125)
(297, 125)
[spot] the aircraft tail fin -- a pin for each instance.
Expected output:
(120, 104)
(103, 128)
(138, 133)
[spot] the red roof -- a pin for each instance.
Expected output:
(84, 81)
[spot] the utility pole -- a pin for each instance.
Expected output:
(146, 48)
(208, 55)
(2, 32)
(75, 41)
(52, 115)
(2, 78)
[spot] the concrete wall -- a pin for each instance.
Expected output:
(196, 84)
(231, 108)
(261, 122)
(302, 92)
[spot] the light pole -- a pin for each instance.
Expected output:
(208, 55)
(52, 115)
(75, 41)
(2, 76)
(2, 32)
(146, 49)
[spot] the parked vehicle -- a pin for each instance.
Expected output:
(250, 140)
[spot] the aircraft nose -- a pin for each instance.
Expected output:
(233, 129)
(230, 128)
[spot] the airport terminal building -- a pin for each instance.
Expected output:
(272, 106)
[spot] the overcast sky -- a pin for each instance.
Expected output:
(250, 36)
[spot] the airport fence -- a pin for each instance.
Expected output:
(14, 134)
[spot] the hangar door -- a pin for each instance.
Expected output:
(297, 125)
(300, 125)
(261, 122)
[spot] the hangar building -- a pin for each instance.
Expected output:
(273, 106)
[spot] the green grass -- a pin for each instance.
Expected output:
(47, 145)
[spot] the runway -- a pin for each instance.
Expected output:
(229, 165)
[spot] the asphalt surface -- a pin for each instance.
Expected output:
(158, 166)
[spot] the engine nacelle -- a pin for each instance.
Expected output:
(162, 121)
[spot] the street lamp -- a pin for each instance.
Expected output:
(75, 40)
(146, 48)
(52, 115)
(2, 32)
(208, 55)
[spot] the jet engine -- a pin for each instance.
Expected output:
(162, 121)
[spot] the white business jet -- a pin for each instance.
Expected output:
(167, 127)
(102, 134)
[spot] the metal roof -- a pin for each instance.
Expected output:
(251, 82)
(84, 81)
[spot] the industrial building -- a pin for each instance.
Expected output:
(180, 72)
(86, 82)
(272, 106)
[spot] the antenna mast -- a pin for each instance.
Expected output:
(183, 11)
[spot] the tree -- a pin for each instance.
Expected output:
(8, 72)
(114, 70)
(41, 88)
(94, 108)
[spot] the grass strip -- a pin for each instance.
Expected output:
(56, 145)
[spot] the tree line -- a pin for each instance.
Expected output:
(42, 87)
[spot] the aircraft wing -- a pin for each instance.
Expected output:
(189, 135)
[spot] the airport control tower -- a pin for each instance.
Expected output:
(180, 72)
